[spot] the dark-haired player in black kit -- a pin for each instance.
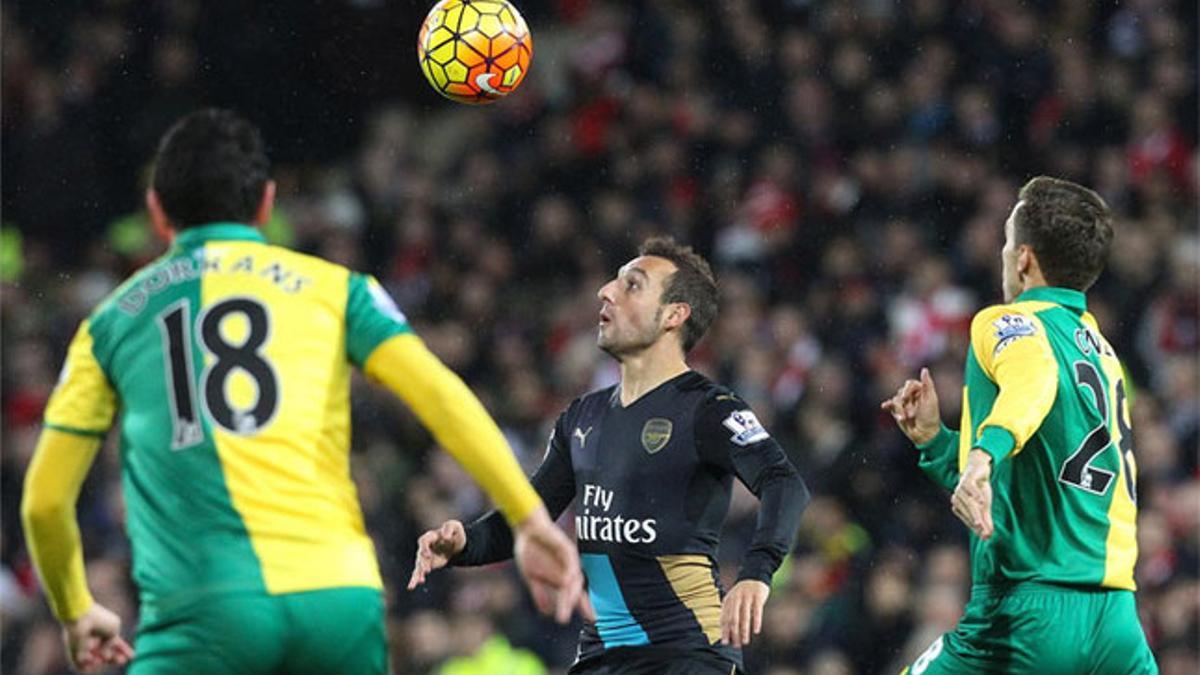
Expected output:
(649, 464)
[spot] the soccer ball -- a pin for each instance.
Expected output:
(474, 51)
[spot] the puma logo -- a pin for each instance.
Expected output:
(582, 436)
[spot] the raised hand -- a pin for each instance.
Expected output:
(549, 563)
(915, 409)
(94, 640)
(435, 548)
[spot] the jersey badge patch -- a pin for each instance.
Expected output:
(656, 433)
(1010, 328)
(745, 427)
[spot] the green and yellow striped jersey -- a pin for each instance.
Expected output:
(229, 361)
(1045, 396)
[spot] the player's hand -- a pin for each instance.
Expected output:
(742, 611)
(435, 548)
(972, 499)
(915, 409)
(549, 563)
(94, 640)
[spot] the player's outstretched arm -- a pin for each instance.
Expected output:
(546, 558)
(456, 419)
(489, 539)
(549, 562)
(915, 410)
(91, 633)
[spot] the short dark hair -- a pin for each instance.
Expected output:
(1069, 228)
(210, 166)
(691, 283)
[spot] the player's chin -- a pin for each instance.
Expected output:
(605, 339)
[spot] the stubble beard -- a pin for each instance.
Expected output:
(637, 343)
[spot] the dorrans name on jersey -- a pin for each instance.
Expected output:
(609, 528)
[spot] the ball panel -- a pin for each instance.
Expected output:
(466, 54)
(512, 76)
(461, 90)
(478, 43)
(486, 7)
(502, 44)
(438, 76)
(490, 25)
(453, 17)
(456, 71)
(443, 54)
(508, 59)
(438, 37)
(469, 19)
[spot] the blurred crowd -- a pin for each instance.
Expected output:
(847, 166)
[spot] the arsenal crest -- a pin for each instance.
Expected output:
(656, 434)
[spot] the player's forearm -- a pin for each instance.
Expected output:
(457, 420)
(783, 497)
(489, 540)
(939, 458)
(60, 463)
(1022, 404)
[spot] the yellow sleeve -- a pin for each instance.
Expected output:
(456, 418)
(60, 463)
(83, 402)
(1013, 350)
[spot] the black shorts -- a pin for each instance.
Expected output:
(655, 661)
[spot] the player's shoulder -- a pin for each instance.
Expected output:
(131, 295)
(720, 407)
(1006, 321)
(709, 394)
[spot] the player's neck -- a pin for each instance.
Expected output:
(641, 373)
(1033, 278)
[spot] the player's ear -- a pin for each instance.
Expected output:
(267, 204)
(158, 217)
(676, 315)
(1026, 261)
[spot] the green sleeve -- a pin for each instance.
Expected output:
(371, 317)
(997, 442)
(939, 458)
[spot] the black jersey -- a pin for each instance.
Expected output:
(651, 483)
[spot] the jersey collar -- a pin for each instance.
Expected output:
(1067, 297)
(199, 234)
(615, 399)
